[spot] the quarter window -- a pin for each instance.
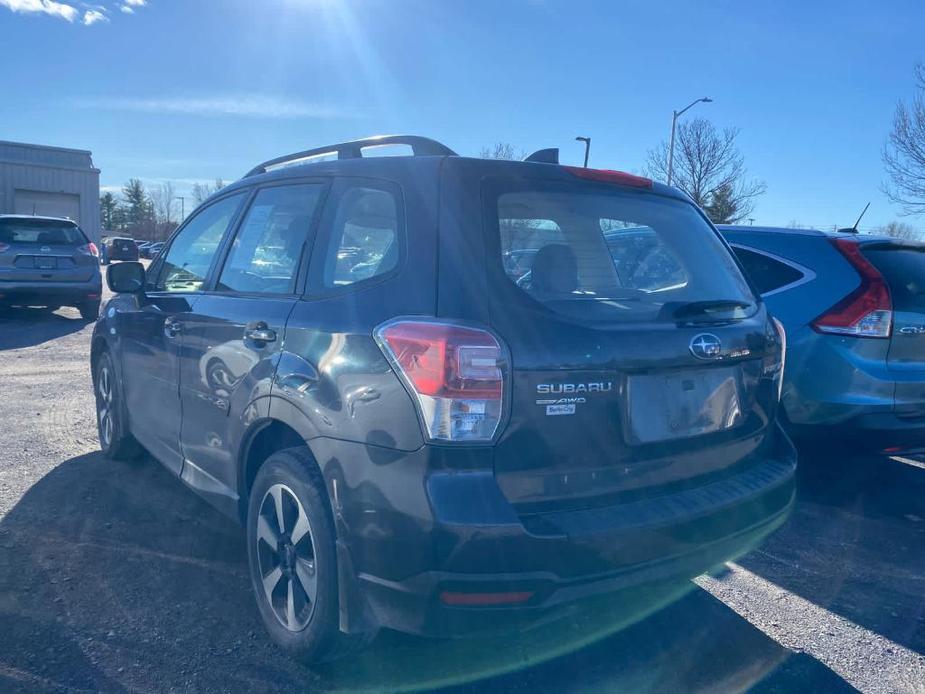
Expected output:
(364, 237)
(264, 257)
(192, 250)
(765, 272)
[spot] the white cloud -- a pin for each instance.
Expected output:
(125, 9)
(49, 7)
(136, 3)
(94, 16)
(246, 106)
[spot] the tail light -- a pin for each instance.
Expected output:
(865, 312)
(89, 249)
(775, 358)
(4, 247)
(456, 374)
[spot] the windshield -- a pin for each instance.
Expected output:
(46, 232)
(618, 256)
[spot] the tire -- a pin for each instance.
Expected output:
(115, 440)
(294, 572)
(89, 310)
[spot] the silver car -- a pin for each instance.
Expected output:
(48, 261)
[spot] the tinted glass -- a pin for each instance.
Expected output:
(904, 270)
(191, 252)
(44, 232)
(615, 256)
(264, 257)
(364, 237)
(767, 274)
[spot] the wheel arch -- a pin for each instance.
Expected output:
(263, 438)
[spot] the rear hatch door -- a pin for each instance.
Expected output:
(636, 344)
(44, 250)
(903, 267)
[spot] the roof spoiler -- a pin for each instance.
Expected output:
(545, 156)
(420, 147)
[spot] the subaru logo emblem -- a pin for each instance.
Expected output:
(45, 249)
(706, 346)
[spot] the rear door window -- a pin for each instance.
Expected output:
(903, 267)
(609, 255)
(766, 273)
(365, 235)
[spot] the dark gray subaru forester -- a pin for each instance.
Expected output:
(447, 394)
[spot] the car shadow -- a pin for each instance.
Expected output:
(855, 544)
(116, 576)
(28, 327)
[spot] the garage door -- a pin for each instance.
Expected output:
(47, 204)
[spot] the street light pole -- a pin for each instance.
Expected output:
(674, 122)
(182, 207)
(587, 141)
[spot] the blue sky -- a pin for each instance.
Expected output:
(191, 90)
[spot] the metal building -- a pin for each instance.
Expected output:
(52, 181)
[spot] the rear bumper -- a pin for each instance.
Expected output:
(541, 564)
(27, 293)
(883, 432)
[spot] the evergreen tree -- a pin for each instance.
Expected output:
(108, 206)
(723, 207)
(139, 210)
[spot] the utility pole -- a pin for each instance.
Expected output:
(674, 122)
(587, 141)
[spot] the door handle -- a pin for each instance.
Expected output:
(259, 332)
(172, 327)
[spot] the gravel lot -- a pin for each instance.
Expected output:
(114, 577)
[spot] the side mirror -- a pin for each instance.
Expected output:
(126, 278)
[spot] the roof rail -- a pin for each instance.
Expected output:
(420, 147)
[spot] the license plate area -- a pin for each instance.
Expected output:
(45, 263)
(681, 404)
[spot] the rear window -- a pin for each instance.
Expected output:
(904, 271)
(44, 232)
(618, 256)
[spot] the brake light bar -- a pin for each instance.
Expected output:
(868, 310)
(455, 373)
(609, 176)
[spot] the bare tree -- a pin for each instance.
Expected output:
(709, 167)
(202, 191)
(163, 197)
(502, 150)
(900, 230)
(904, 151)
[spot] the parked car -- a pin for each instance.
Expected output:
(853, 306)
(50, 262)
(119, 248)
(426, 445)
(150, 249)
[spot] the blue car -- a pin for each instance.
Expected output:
(853, 306)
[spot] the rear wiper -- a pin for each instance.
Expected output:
(700, 308)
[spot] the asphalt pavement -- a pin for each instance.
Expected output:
(114, 577)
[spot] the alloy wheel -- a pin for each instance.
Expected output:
(286, 557)
(104, 405)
